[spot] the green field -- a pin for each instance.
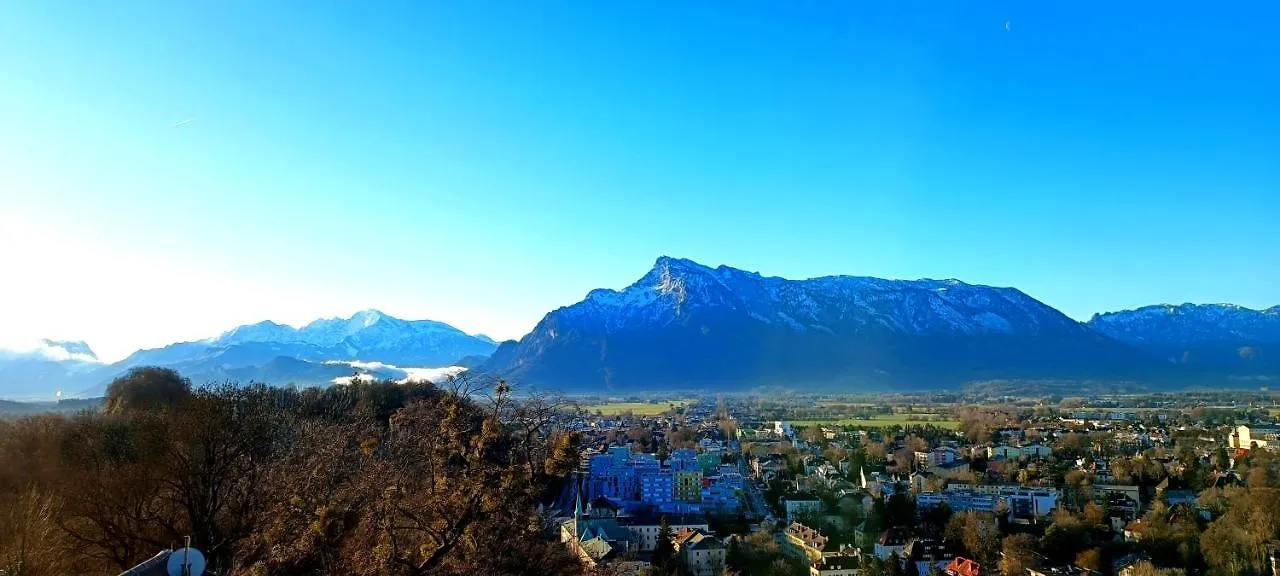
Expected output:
(636, 408)
(880, 420)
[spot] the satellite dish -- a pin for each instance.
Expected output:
(186, 562)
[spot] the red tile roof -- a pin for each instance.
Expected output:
(963, 567)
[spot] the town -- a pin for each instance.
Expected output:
(831, 486)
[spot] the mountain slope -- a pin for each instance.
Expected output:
(368, 335)
(687, 324)
(1205, 337)
(45, 369)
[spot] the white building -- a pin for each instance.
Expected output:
(800, 505)
(645, 529)
(937, 457)
(1010, 452)
(1246, 437)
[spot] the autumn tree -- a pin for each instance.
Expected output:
(381, 478)
(977, 533)
(146, 388)
(1090, 559)
(1017, 554)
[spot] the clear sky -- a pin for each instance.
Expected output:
(171, 169)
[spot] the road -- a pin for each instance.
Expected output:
(755, 500)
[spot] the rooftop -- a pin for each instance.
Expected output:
(962, 566)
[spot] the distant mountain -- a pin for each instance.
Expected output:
(318, 353)
(368, 335)
(1206, 337)
(685, 324)
(39, 372)
(473, 361)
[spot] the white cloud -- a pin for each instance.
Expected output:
(431, 374)
(360, 365)
(410, 374)
(40, 348)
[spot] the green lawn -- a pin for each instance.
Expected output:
(883, 420)
(637, 408)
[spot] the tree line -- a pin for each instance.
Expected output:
(371, 478)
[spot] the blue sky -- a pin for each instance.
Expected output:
(171, 169)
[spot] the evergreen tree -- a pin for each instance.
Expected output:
(664, 551)
(735, 558)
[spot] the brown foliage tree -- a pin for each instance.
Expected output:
(147, 388)
(1017, 554)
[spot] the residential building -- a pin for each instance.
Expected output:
(767, 468)
(812, 463)
(928, 554)
(950, 469)
(864, 537)
(684, 459)
(937, 456)
(957, 501)
(1014, 452)
(892, 541)
(657, 488)
(688, 484)
(613, 478)
(1120, 499)
(710, 444)
(702, 554)
(620, 454)
(919, 481)
(721, 496)
(1024, 502)
(837, 565)
(709, 461)
(803, 542)
(645, 527)
(801, 504)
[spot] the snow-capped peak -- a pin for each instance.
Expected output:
(264, 331)
(366, 318)
(677, 286)
(56, 350)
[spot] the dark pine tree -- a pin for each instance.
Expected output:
(664, 551)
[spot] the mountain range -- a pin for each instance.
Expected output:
(685, 324)
(1205, 338)
(321, 352)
